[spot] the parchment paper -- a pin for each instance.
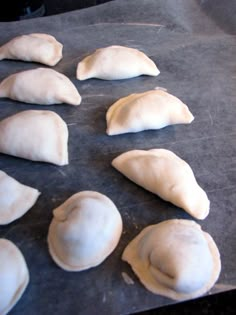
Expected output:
(194, 47)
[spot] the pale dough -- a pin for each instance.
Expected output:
(116, 63)
(149, 110)
(85, 229)
(163, 173)
(37, 135)
(15, 199)
(14, 275)
(40, 86)
(37, 47)
(174, 258)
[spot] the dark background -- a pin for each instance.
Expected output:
(58, 6)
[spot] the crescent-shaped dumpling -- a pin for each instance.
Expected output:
(40, 86)
(174, 258)
(35, 135)
(14, 275)
(115, 63)
(85, 229)
(15, 198)
(165, 174)
(36, 47)
(149, 110)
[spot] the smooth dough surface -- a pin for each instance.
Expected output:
(116, 63)
(40, 86)
(163, 173)
(85, 229)
(149, 110)
(36, 47)
(14, 275)
(174, 258)
(15, 198)
(36, 135)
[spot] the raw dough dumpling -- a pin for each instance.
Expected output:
(149, 110)
(40, 86)
(15, 199)
(175, 259)
(36, 135)
(115, 63)
(14, 275)
(37, 47)
(165, 174)
(85, 229)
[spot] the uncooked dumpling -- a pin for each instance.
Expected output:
(175, 259)
(36, 135)
(40, 86)
(115, 63)
(15, 199)
(85, 229)
(165, 174)
(37, 47)
(14, 275)
(149, 110)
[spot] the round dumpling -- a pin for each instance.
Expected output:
(175, 259)
(85, 229)
(14, 275)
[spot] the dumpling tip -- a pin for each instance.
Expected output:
(156, 72)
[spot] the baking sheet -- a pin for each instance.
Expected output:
(195, 51)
